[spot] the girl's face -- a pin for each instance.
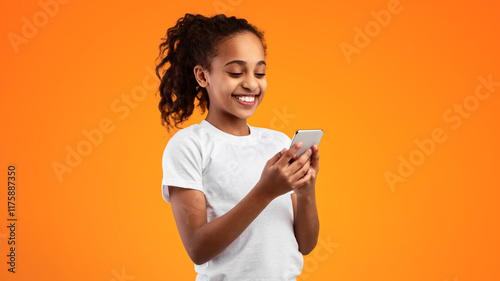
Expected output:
(237, 82)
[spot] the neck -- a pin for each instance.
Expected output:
(233, 126)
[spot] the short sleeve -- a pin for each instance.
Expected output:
(182, 163)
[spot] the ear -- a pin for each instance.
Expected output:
(200, 75)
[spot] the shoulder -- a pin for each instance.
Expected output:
(186, 138)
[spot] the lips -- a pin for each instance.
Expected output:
(246, 103)
(246, 95)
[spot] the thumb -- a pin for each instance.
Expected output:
(276, 157)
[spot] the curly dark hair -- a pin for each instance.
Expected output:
(192, 41)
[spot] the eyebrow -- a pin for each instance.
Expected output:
(240, 62)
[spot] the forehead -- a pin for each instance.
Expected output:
(244, 46)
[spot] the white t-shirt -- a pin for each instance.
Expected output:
(225, 168)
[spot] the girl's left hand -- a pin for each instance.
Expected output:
(308, 188)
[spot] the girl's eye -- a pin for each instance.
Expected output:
(236, 74)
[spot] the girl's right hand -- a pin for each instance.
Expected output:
(280, 177)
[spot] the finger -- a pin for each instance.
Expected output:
(289, 154)
(297, 164)
(301, 172)
(315, 157)
(295, 157)
(276, 157)
(300, 182)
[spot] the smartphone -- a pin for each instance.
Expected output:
(308, 139)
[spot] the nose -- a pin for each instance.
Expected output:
(250, 82)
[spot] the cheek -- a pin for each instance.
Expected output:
(221, 86)
(229, 85)
(263, 86)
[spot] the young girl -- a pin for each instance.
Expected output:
(242, 210)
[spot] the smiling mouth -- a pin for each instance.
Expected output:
(246, 98)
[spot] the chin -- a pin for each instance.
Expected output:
(246, 116)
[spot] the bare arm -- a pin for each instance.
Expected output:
(204, 240)
(306, 225)
(306, 222)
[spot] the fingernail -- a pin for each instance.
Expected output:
(309, 152)
(299, 144)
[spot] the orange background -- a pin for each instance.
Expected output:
(106, 219)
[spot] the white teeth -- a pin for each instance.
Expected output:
(246, 98)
